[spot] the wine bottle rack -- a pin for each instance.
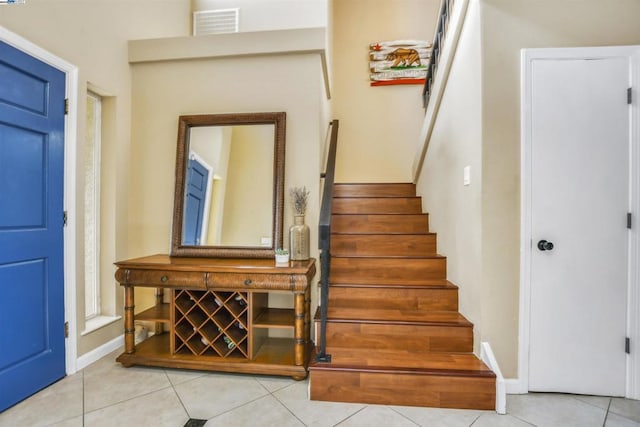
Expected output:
(209, 323)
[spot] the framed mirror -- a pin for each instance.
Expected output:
(229, 191)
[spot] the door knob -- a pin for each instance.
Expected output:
(543, 245)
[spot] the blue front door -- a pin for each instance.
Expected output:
(32, 347)
(197, 182)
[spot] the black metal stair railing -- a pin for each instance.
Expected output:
(324, 240)
(434, 59)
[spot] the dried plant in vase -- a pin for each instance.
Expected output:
(299, 231)
(299, 197)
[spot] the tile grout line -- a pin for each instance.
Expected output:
(177, 394)
(282, 403)
(352, 415)
(244, 404)
(476, 420)
(523, 420)
(126, 400)
(403, 415)
(606, 415)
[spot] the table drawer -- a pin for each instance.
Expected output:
(159, 278)
(251, 281)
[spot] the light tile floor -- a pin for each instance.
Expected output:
(106, 394)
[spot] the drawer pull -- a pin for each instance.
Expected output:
(164, 279)
(247, 282)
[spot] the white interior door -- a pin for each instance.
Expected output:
(579, 201)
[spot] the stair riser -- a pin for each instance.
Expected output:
(387, 270)
(400, 337)
(374, 190)
(394, 205)
(394, 298)
(403, 389)
(372, 224)
(383, 245)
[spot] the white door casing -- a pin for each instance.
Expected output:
(573, 300)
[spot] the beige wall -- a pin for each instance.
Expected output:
(163, 91)
(379, 126)
(507, 26)
(248, 207)
(92, 36)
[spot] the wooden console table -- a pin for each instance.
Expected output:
(218, 317)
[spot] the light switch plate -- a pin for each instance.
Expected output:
(466, 175)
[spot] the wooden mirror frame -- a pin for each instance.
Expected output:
(185, 123)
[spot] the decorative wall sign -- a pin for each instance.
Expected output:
(399, 62)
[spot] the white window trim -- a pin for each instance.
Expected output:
(98, 322)
(93, 310)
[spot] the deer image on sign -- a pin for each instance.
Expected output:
(398, 62)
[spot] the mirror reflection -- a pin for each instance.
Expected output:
(229, 188)
(229, 185)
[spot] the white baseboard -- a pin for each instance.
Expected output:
(486, 354)
(99, 352)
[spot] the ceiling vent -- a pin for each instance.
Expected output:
(217, 21)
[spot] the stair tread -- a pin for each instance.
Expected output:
(428, 284)
(381, 205)
(368, 189)
(422, 256)
(382, 258)
(379, 234)
(397, 316)
(400, 360)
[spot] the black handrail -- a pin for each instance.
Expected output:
(438, 38)
(324, 240)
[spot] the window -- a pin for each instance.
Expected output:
(92, 206)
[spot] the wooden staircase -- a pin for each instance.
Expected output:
(393, 329)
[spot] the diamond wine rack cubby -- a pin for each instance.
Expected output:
(210, 323)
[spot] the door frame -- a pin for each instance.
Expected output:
(521, 384)
(207, 197)
(69, 200)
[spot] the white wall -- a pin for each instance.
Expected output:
(265, 15)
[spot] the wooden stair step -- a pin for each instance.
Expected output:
(403, 189)
(420, 362)
(380, 223)
(396, 316)
(439, 296)
(385, 329)
(373, 205)
(391, 377)
(387, 245)
(392, 271)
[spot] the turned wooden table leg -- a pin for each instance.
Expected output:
(299, 329)
(307, 316)
(129, 326)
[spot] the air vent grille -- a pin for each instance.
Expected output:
(215, 21)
